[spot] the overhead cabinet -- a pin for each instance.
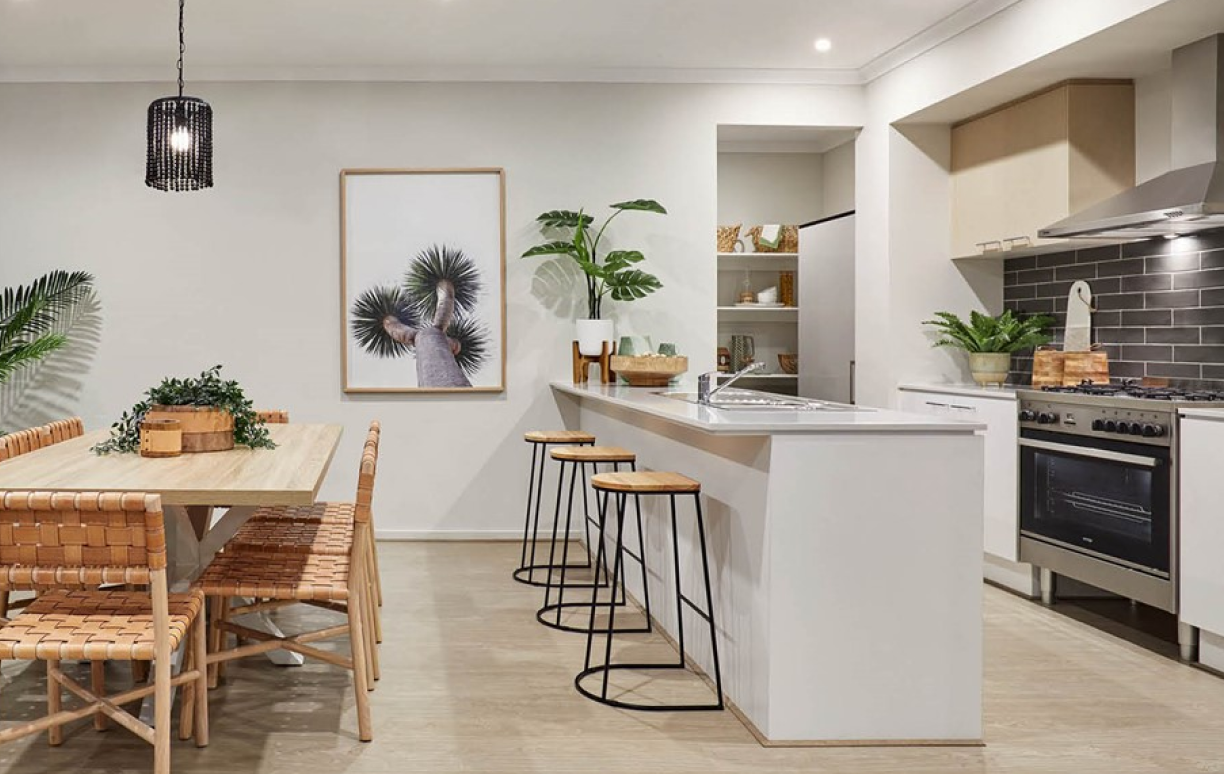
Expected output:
(1029, 163)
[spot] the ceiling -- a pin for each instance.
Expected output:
(570, 40)
(736, 138)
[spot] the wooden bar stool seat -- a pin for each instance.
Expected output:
(646, 482)
(540, 440)
(558, 436)
(575, 459)
(639, 484)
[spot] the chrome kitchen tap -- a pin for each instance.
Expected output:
(706, 393)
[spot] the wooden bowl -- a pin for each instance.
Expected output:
(648, 371)
(788, 362)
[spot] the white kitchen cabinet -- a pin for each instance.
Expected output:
(998, 413)
(1201, 586)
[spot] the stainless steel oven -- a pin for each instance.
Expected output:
(1111, 500)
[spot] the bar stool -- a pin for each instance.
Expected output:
(653, 484)
(575, 459)
(540, 440)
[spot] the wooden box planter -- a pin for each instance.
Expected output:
(205, 428)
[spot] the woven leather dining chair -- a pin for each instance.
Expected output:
(323, 528)
(65, 429)
(23, 442)
(335, 581)
(87, 540)
(273, 416)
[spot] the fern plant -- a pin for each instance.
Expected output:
(29, 315)
(609, 275)
(1007, 333)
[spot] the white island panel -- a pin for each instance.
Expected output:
(845, 559)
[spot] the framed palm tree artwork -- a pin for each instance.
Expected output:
(422, 280)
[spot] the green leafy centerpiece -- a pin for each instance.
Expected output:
(612, 274)
(208, 394)
(991, 341)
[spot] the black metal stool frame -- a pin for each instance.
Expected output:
(600, 561)
(525, 573)
(681, 600)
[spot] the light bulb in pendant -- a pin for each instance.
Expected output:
(180, 140)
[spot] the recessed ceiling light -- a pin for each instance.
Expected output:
(823, 44)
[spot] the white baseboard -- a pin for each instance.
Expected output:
(1018, 577)
(455, 534)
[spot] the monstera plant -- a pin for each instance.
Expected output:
(30, 317)
(611, 274)
(429, 315)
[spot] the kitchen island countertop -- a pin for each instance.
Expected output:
(760, 421)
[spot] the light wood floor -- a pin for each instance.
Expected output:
(472, 683)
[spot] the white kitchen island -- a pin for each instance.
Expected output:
(846, 560)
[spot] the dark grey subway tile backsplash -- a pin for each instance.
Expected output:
(1160, 304)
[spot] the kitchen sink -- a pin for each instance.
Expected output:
(751, 400)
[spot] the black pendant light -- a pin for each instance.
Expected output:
(179, 138)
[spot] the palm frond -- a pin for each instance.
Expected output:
(27, 353)
(29, 315)
(474, 343)
(371, 310)
(439, 263)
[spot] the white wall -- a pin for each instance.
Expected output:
(839, 179)
(246, 274)
(758, 188)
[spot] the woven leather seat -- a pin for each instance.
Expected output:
(277, 575)
(558, 436)
(94, 625)
(325, 528)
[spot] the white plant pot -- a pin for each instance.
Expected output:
(591, 335)
(989, 367)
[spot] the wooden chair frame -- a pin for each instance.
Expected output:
(357, 605)
(50, 535)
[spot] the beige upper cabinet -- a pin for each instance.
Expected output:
(1029, 163)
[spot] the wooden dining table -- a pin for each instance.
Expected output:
(192, 488)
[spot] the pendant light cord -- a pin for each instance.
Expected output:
(182, 49)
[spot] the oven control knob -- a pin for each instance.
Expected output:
(1111, 426)
(1046, 418)
(1153, 431)
(1098, 425)
(1135, 428)
(1028, 415)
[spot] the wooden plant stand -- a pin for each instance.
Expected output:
(583, 363)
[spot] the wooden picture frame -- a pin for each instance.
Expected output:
(403, 232)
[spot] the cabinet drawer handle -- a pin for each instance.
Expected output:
(985, 247)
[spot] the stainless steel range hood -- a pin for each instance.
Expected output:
(1191, 197)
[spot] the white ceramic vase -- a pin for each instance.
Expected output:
(591, 335)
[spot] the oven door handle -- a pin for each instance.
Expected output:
(1087, 451)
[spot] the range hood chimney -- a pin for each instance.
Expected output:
(1191, 197)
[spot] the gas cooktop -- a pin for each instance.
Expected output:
(1133, 390)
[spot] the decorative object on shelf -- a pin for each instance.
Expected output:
(667, 349)
(724, 360)
(583, 363)
(162, 437)
(1080, 306)
(610, 275)
(744, 245)
(423, 277)
(769, 237)
(991, 341)
(1080, 367)
(727, 237)
(788, 240)
(788, 362)
(626, 347)
(33, 318)
(746, 294)
(649, 370)
(743, 351)
(1048, 366)
(768, 297)
(216, 411)
(786, 287)
(179, 137)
